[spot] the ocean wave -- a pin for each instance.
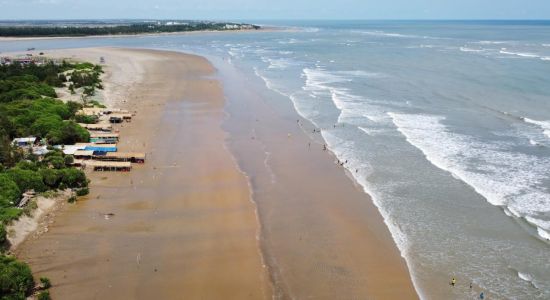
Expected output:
(466, 49)
(393, 35)
(353, 108)
(269, 84)
(278, 63)
(492, 42)
(544, 125)
(524, 54)
(503, 177)
(360, 73)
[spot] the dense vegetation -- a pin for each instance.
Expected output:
(145, 27)
(28, 108)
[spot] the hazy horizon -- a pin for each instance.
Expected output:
(283, 10)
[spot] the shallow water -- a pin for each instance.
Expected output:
(445, 124)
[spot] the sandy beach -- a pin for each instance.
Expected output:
(182, 225)
(209, 216)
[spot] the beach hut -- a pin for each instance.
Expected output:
(115, 119)
(97, 127)
(135, 157)
(101, 148)
(104, 138)
(109, 166)
(83, 154)
(24, 142)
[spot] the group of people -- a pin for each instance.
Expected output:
(453, 283)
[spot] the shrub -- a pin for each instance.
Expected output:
(69, 160)
(73, 178)
(72, 199)
(27, 180)
(27, 165)
(86, 119)
(56, 162)
(16, 281)
(44, 295)
(46, 284)
(9, 214)
(3, 234)
(9, 191)
(83, 191)
(51, 177)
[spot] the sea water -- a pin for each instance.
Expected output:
(446, 124)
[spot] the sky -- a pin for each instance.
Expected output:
(274, 9)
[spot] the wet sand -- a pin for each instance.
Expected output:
(183, 225)
(322, 236)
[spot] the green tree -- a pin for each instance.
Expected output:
(9, 191)
(27, 180)
(51, 177)
(44, 295)
(73, 178)
(16, 281)
(3, 235)
(56, 162)
(46, 284)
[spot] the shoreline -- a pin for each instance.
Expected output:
(299, 190)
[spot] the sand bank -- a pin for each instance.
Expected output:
(180, 226)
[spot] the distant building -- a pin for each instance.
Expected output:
(24, 142)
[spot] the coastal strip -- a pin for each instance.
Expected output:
(181, 225)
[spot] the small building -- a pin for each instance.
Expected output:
(101, 148)
(134, 157)
(24, 142)
(83, 154)
(109, 166)
(124, 116)
(115, 120)
(70, 149)
(97, 127)
(104, 138)
(91, 111)
(40, 150)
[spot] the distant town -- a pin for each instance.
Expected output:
(111, 27)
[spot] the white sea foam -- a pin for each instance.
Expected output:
(269, 84)
(545, 125)
(543, 234)
(525, 276)
(503, 177)
(320, 82)
(360, 73)
(492, 42)
(391, 34)
(466, 49)
(524, 54)
(279, 63)
(546, 45)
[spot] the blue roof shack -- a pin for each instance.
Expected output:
(97, 148)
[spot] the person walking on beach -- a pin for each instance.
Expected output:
(453, 281)
(482, 296)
